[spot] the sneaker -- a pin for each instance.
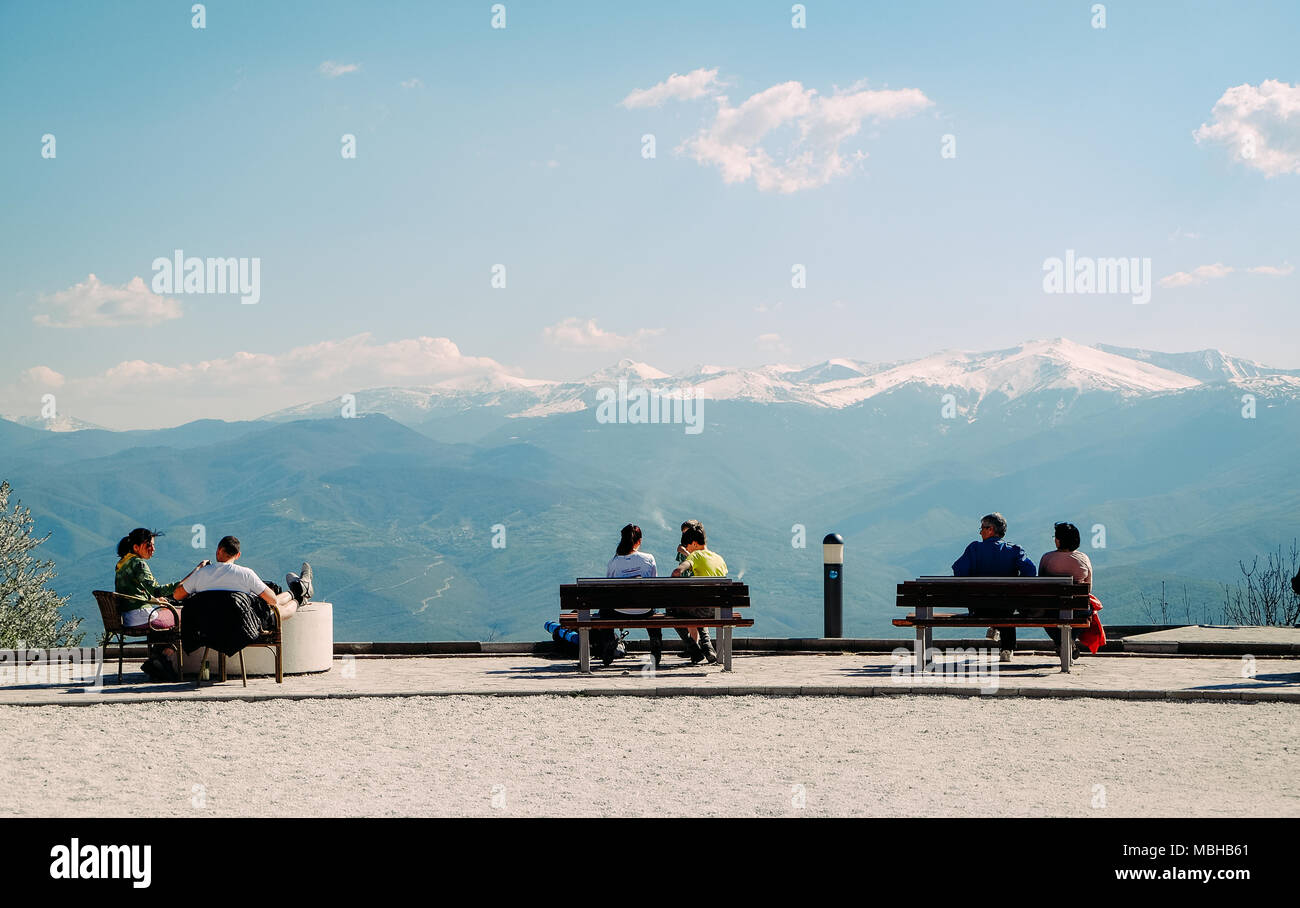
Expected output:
(1004, 655)
(993, 634)
(300, 584)
(706, 647)
(151, 669)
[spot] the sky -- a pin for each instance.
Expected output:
(914, 166)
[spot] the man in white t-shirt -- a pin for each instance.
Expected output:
(227, 575)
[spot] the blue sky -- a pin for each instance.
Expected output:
(478, 146)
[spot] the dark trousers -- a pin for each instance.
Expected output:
(602, 636)
(700, 612)
(1006, 635)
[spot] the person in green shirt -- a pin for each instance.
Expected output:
(132, 578)
(697, 560)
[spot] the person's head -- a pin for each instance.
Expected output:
(693, 537)
(630, 540)
(687, 524)
(993, 526)
(1067, 537)
(139, 541)
(228, 549)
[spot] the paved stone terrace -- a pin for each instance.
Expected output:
(1128, 676)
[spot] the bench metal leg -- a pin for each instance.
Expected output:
(724, 633)
(584, 651)
(1067, 646)
(919, 651)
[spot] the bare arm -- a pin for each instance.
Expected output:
(179, 593)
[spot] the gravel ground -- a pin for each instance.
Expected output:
(665, 756)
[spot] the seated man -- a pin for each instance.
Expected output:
(1066, 561)
(991, 557)
(227, 576)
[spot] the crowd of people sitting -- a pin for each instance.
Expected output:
(694, 559)
(991, 556)
(226, 604)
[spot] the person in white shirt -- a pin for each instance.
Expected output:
(227, 575)
(628, 562)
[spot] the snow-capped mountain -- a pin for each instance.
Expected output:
(1203, 365)
(1057, 365)
(58, 424)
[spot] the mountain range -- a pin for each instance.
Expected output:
(1174, 467)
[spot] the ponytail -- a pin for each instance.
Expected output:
(629, 537)
(138, 536)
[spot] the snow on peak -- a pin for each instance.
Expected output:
(629, 369)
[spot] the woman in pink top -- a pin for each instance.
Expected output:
(1066, 561)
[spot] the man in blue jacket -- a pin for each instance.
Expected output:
(991, 557)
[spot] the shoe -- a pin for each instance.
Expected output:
(1004, 655)
(157, 671)
(706, 647)
(993, 634)
(300, 584)
(612, 650)
(656, 650)
(693, 652)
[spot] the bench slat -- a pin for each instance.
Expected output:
(963, 621)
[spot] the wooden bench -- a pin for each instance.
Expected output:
(588, 595)
(1069, 601)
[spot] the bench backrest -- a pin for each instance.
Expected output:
(654, 592)
(1022, 592)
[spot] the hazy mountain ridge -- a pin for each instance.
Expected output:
(399, 519)
(1053, 365)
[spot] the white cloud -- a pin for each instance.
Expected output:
(94, 304)
(42, 377)
(1260, 125)
(733, 141)
(577, 334)
(331, 70)
(1196, 275)
(1272, 270)
(412, 83)
(698, 83)
(245, 385)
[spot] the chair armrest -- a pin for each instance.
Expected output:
(176, 620)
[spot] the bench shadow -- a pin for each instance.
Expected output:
(1270, 682)
(1003, 668)
(620, 668)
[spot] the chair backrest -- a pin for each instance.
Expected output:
(111, 611)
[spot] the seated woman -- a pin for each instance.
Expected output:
(133, 578)
(1066, 561)
(630, 561)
